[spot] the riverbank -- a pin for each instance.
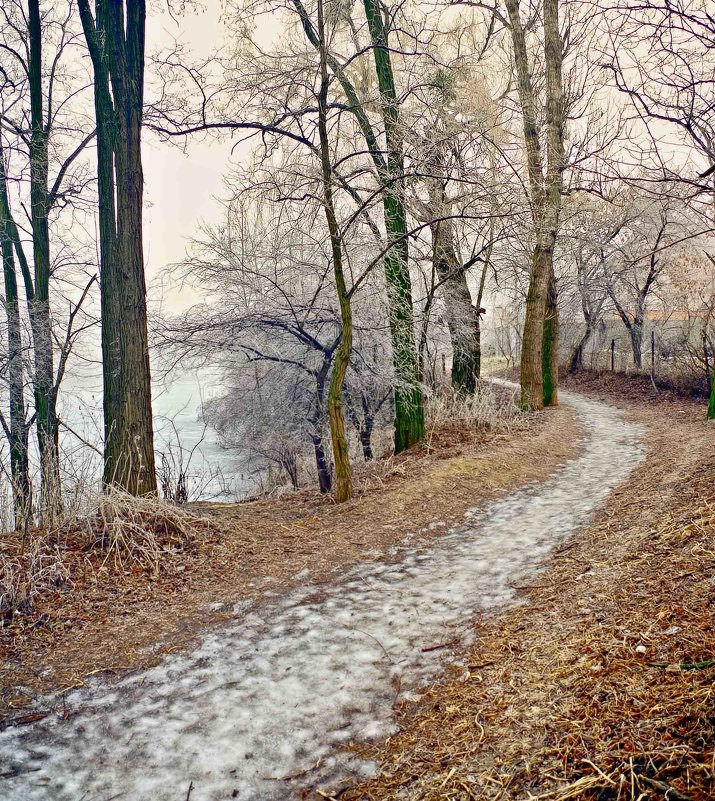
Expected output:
(108, 621)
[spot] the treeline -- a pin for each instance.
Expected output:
(410, 170)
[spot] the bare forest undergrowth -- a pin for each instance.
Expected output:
(601, 686)
(103, 608)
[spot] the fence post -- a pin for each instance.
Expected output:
(613, 355)
(708, 373)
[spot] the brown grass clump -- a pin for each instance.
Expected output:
(602, 687)
(126, 535)
(141, 533)
(27, 574)
(491, 408)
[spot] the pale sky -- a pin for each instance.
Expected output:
(183, 189)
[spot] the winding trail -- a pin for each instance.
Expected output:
(293, 678)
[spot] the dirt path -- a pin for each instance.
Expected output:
(271, 697)
(601, 685)
(113, 621)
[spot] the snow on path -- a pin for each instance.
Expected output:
(293, 678)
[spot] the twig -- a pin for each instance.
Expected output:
(384, 650)
(670, 793)
(188, 792)
(438, 647)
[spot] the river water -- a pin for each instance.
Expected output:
(213, 471)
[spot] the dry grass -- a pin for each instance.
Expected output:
(490, 408)
(602, 687)
(28, 573)
(143, 533)
(125, 535)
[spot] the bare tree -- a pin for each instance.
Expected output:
(17, 430)
(539, 352)
(390, 168)
(36, 117)
(662, 57)
(341, 455)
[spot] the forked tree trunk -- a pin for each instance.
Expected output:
(408, 398)
(461, 314)
(115, 39)
(545, 186)
(363, 426)
(462, 317)
(576, 361)
(341, 359)
(634, 325)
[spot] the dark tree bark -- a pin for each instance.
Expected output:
(325, 478)
(550, 366)
(41, 321)
(365, 425)
(17, 431)
(115, 39)
(317, 421)
(462, 316)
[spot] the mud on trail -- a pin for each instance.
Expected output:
(271, 698)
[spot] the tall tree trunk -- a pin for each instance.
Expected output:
(532, 376)
(41, 322)
(341, 359)
(116, 45)
(462, 317)
(555, 166)
(550, 364)
(17, 431)
(325, 480)
(408, 399)
(545, 190)
(409, 403)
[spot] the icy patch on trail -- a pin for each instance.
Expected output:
(294, 678)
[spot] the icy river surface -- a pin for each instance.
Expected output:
(294, 677)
